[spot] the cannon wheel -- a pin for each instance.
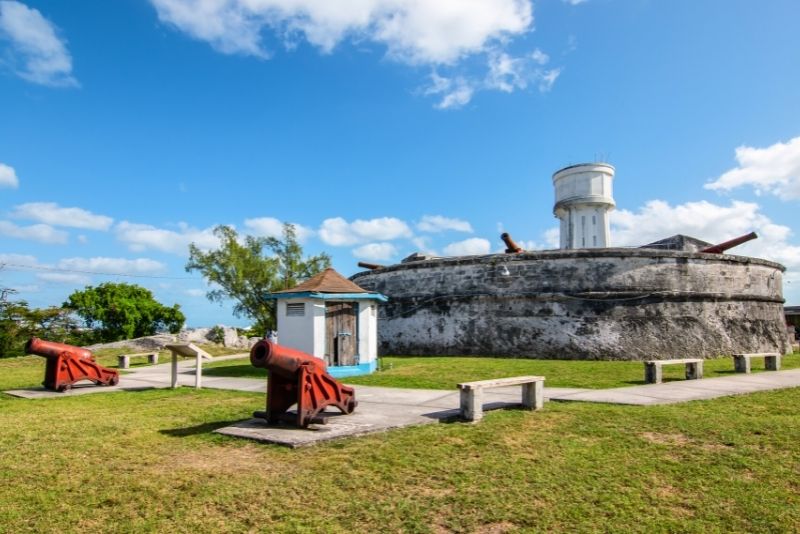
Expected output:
(113, 381)
(65, 387)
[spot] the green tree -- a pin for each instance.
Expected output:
(246, 269)
(123, 311)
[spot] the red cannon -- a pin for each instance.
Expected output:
(722, 247)
(67, 364)
(295, 377)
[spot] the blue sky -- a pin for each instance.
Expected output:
(382, 127)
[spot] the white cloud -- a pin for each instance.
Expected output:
(412, 31)
(439, 223)
(709, 222)
(36, 53)
(574, 2)
(140, 237)
(552, 237)
(8, 176)
(19, 259)
(505, 73)
(42, 233)
(272, 227)
(774, 170)
(54, 215)
(338, 232)
(194, 292)
(376, 251)
(454, 92)
(113, 265)
(439, 34)
(65, 278)
(468, 247)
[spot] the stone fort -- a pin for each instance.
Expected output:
(586, 300)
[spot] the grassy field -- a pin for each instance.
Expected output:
(148, 462)
(446, 372)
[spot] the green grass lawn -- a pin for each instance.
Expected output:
(148, 462)
(447, 371)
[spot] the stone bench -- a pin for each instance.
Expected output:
(653, 372)
(471, 394)
(124, 360)
(772, 361)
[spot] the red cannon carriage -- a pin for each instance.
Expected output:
(295, 377)
(67, 364)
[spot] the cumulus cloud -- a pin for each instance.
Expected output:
(35, 51)
(412, 31)
(112, 265)
(505, 73)
(376, 251)
(707, 221)
(43, 233)
(8, 176)
(65, 278)
(468, 247)
(439, 223)
(774, 170)
(140, 237)
(438, 34)
(19, 259)
(337, 231)
(272, 227)
(54, 215)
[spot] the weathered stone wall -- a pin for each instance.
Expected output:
(621, 304)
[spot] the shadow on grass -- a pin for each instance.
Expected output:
(205, 428)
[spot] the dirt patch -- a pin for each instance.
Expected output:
(227, 460)
(665, 439)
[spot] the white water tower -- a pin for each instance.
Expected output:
(583, 201)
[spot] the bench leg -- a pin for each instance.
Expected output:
(694, 371)
(533, 395)
(123, 362)
(152, 358)
(652, 373)
(772, 363)
(472, 404)
(741, 364)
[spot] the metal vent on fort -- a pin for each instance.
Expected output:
(678, 297)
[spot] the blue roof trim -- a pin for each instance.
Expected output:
(328, 296)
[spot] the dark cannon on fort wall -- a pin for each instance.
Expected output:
(295, 377)
(511, 245)
(67, 365)
(722, 247)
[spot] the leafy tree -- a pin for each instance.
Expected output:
(123, 311)
(246, 269)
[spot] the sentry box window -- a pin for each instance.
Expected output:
(297, 309)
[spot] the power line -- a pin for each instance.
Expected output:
(21, 267)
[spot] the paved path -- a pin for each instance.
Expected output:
(381, 409)
(158, 376)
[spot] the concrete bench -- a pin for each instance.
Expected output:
(772, 361)
(124, 360)
(471, 394)
(653, 372)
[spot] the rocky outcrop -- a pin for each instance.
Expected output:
(230, 338)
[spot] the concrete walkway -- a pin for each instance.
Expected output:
(158, 376)
(381, 409)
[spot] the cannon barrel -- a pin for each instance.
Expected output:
(722, 247)
(284, 361)
(511, 246)
(371, 266)
(51, 349)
